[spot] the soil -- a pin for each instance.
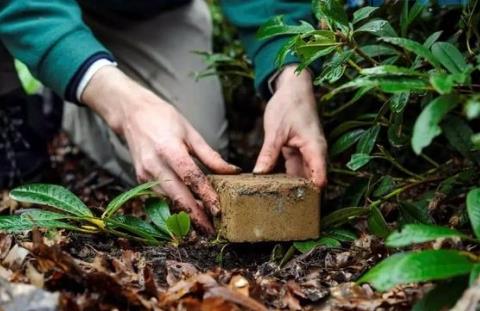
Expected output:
(97, 272)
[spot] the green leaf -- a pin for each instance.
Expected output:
(408, 16)
(474, 274)
(136, 226)
(29, 83)
(38, 214)
(416, 212)
(345, 141)
(367, 141)
(420, 233)
(363, 13)
(379, 28)
(476, 140)
(375, 50)
(442, 82)
(443, 296)
(413, 47)
(472, 108)
(308, 58)
(473, 209)
(285, 50)
(427, 127)
(51, 195)
(377, 224)
(306, 246)
(358, 160)
(386, 84)
(179, 224)
(458, 134)
(342, 235)
(398, 101)
(384, 186)
(391, 70)
(330, 10)
(276, 27)
(16, 223)
(121, 199)
(158, 212)
(427, 44)
(450, 57)
(342, 216)
(411, 267)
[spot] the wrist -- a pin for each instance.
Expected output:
(114, 96)
(289, 75)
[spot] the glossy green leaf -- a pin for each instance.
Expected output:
(330, 10)
(427, 127)
(399, 101)
(367, 141)
(179, 224)
(51, 195)
(345, 141)
(392, 70)
(158, 212)
(413, 47)
(276, 27)
(374, 50)
(363, 13)
(345, 126)
(473, 209)
(358, 160)
(409, 15)
(135, 226)
(458, 134)
(386, 84)
(342, 235)
(443, 296)
(450, 57)
(442, 82)
(380, 28)
(427, 44)
(423, 266)
(308, 58)
(121, 199)
(285, 50)
(474, 275)
(16, 223)
(306, 246)
(420, 233)
(472, 108)
(342, 216)
(377, 224)
(38, 214)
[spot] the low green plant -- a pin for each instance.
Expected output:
(430, 264)
(67, 211)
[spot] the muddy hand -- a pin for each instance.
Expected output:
(161, 142)
(292, 127)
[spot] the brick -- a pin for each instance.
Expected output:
(267, 208)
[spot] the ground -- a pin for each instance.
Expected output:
(97, 272)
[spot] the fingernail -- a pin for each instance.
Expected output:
(236, 168)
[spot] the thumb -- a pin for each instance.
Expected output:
(268, 155)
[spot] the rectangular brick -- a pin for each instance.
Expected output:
(267, 208)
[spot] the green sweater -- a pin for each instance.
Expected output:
(52, 40)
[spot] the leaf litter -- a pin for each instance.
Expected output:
(90, 272)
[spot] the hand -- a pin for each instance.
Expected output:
(161, 142)
(292, 127)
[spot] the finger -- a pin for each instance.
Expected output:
(314, 156)
(293, 162)
(212, 159)
(268, 155)
(181, 197)
(184, 166)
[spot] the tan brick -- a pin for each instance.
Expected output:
(267, 208)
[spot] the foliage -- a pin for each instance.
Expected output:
(399, 96)
(69, 212)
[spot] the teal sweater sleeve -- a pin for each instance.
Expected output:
(248, 16)
(49, 37)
